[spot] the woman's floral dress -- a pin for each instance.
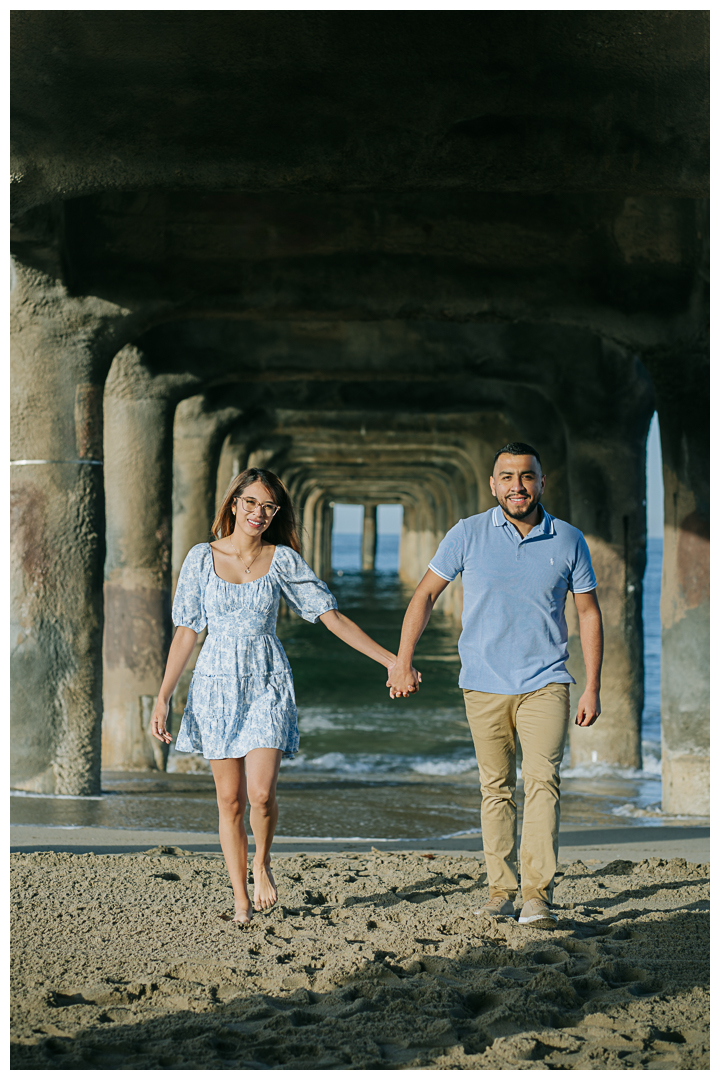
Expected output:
(241, 696)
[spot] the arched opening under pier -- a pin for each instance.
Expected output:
(353, 534)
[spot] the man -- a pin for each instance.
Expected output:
(517, 564)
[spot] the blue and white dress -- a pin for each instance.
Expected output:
(241, 696)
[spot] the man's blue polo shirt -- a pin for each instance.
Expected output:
(514, 636)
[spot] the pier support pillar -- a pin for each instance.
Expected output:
(681, 388)
(139, 414)
(606, 478)
(199, 432)
(61, 348)
(369, 537)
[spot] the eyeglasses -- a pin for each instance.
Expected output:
(249, 505)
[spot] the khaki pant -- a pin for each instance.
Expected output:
(540, 720)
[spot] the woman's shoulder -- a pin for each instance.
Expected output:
(287, 558)
(199, 556)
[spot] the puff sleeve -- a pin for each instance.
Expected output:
(189, 603)
(305, 593)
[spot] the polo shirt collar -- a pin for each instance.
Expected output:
(545, 525)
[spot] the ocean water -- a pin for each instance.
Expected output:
(370, 767)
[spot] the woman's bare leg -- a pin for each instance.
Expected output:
(262, 767)
(229, 776)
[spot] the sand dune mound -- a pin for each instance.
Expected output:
(367, 961)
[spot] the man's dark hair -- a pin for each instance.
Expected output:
(518, 448)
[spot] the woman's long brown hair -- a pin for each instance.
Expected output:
(281, 530)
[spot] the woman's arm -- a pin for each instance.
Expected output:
(181, 649)
(352, 635)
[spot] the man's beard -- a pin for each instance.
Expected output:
(516, 512)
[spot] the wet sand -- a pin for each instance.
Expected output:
(369, 960)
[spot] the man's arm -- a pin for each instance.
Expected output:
(591, 640)
(402, 676)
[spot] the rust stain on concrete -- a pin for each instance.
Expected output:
(693, 558)
(89, 420)
(28, 517)
(135, 628)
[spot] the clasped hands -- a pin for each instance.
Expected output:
(403, 679)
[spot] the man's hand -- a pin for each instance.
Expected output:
(588, 709)
(403, 680)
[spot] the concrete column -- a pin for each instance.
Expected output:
(199, 431)
(232, 460)
(607, 493)
(311, 521)
(61, 348)
(369, 537)
(139, 414)
(681, 384)
(326, 541)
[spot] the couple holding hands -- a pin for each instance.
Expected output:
(517, 564)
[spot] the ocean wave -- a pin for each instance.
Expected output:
(380, 717)
(23, 825)
(597, 770)
(445, 767)
(367, 764)
(17, 794)
(454, 835)
(632, 811)
(312, 720)
(651, 813)
(191, 764)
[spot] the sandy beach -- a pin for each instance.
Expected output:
(369, 960)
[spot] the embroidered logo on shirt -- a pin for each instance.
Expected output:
(552, 562)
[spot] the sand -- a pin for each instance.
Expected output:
(368, 961)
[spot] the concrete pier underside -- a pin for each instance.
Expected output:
(365, 269)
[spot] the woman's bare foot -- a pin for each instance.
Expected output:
(243, 908)
(243, 912)
(265, 893)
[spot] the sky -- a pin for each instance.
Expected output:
(348, 519)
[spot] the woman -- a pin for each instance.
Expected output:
(240, 711)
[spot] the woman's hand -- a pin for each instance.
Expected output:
(403, 680)
(159, 720)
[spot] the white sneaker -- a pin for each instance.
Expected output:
(537, 912)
